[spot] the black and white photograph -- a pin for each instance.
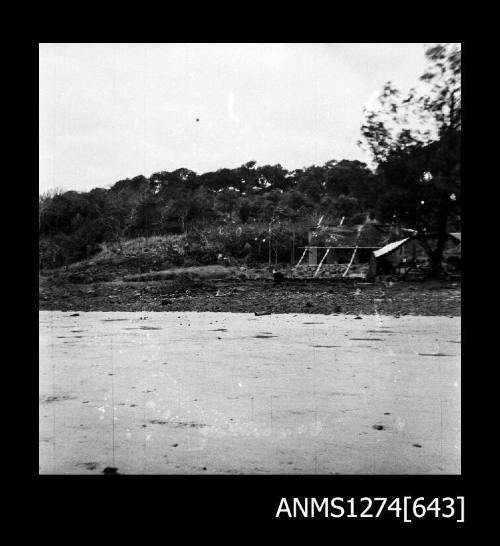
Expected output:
(249, 259)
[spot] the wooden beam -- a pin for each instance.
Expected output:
(321, 263)
(354, 253)
(343, 247)
(350, 263)
(302, 257)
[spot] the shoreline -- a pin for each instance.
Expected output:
(431, 298)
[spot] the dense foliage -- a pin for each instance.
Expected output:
(262, 202)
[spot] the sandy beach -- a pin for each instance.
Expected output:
(235, 393)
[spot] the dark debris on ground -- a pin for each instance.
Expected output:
(245, 296)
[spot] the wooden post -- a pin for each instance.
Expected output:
(321, 263)
(302, 257)
(350, 263)
(372, 268)
(313, 256)
(269, 241)
(355, 249)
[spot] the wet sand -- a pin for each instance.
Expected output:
(225, 393)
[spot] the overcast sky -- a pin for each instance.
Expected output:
(114, 111)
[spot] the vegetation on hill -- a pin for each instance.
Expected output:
(232, 211)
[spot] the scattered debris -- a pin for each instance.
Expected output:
(60, 398)
(248, 295)
(89, 466)
(313, 323)
(187, 424)
(110, 470)
(433, 354)
(278, 276)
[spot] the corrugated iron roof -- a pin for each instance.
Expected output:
(367, 235)
(391, 247)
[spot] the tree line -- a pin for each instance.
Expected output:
(181, 200)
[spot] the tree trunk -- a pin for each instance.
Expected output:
(442, 235)
(437, 255)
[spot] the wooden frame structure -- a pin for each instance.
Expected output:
(333, 248)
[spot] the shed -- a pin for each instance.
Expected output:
(406, 254)
(334, 249)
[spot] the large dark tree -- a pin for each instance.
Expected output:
(415, 141)
(352, 178)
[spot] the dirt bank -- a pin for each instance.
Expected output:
(253, 295)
